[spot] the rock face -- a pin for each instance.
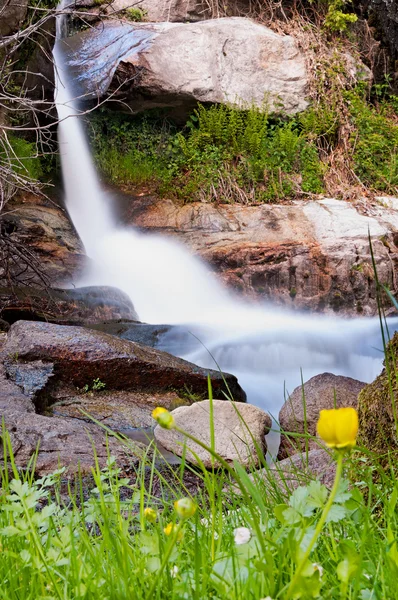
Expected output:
(12, 14)
(237, 436)
(310, 255)
(376, 408)
(321, 392)
(55, 252)
(231, 60)
(81, 356)
(39, 250)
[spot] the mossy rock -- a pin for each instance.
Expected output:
(377, 404)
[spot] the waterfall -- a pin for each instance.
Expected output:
(265, 347)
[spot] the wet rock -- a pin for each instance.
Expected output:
(310, 255)
(229, 60)
(11, 396)
(377, 409)
(321, 392)
(79, 306)
(142, 333)
(81, 356)
(238, 431)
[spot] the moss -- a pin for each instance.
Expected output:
(376, 407)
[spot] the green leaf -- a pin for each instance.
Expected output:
(318, 494)
(279, 511)
(337, 513)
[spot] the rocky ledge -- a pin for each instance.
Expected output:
(309, 255)
(73, 374)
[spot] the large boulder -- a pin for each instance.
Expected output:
(230, 60)
(377, 408)
(300, 412)
(81, 356)
(311, 255)
(239, 433)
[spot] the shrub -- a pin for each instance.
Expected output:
(375, 142)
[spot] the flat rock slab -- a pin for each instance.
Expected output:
(306, 255)
(239, 430)
(117, 409)
(81, 356)
(323, 391)
(229, 60)
(63, 443)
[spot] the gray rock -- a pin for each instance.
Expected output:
(230, 60)
(142, 333)
(238, 430)
(321, 392)
(33, 378)
(300, 469)
(61, 443)
(81, 355)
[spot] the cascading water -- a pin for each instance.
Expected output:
(263, 346)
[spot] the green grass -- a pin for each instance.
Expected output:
(220, 154)
(101, 546)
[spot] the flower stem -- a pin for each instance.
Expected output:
(322, 520)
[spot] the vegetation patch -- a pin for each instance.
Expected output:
(224, 154)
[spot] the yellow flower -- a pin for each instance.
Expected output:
(185, 508)
(150, 514)
(163, 417)
(338, 427)
(171, 528)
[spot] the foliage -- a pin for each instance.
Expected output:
(337, 20)
(22, 157)
(231, 542)
(135, 14)
(221, 154)
(374, 141)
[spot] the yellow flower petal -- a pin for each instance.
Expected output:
(338, 427)
(163, 417)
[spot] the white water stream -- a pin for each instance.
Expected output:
(264, 346)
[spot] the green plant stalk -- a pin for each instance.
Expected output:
(232, 473)
(165, 561)
(322, 520)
